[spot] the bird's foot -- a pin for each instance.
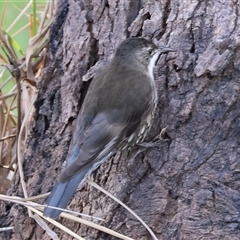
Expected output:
(156, 140)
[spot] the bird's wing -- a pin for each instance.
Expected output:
(102, 127)
(96, 143)
(92, 145)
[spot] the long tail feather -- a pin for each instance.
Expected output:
(62, 194)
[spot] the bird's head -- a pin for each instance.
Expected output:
(140, 51)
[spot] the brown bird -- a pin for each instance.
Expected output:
(116, 114)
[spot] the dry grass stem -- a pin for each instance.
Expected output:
(6, 229)
(37, 209)
(126, 207)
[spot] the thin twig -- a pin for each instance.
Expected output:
(7, 137)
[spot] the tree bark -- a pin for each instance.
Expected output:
(187, 186)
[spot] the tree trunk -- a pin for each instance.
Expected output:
(187, 186)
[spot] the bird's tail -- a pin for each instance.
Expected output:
(61, 195)
(63, 191)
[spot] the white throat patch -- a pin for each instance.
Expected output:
(151, 65)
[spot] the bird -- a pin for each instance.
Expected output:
(116, 114)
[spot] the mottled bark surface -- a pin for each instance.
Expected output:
(187, 187)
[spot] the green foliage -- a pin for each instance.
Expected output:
(19, 21)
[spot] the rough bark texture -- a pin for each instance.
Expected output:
(187, 187)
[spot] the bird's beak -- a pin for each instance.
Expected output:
(164, 49)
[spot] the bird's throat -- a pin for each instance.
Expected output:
(151, 65)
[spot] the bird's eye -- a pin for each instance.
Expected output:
(150, 51)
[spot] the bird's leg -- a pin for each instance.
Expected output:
(161, 134)
(155, 141)
(140, 150)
